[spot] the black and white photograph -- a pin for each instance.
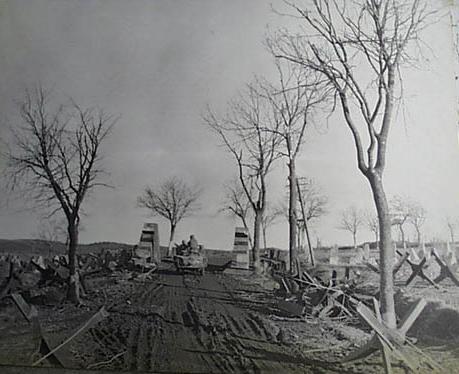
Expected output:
(213, 186)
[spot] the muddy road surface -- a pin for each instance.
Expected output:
(189, 323)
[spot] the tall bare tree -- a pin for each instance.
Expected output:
(55, 156)
(270, 217)
(295, 98)
(243, 133)
(373, 225)
(352, 221)
(417, 218)
(400, 209)
(315, 201)
(173, 200)
(360, 48)
(236, 203)
(452, 224)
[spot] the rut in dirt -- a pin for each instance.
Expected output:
(190, 323)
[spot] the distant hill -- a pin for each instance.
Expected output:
(33, 247)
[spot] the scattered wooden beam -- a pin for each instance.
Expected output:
(95, 319)
(28, 311)
(389, 341)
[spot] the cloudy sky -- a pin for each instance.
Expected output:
(158, 63)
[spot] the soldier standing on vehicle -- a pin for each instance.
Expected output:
(193, 244)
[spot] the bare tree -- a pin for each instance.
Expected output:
(400, 210)
(315, 201)
(360, 49)
(173, 200)
(53, 230)
(295, 98)
(236, 203)
(373, 225)
(417, 218)
(314, 206)
(452, 224)
(351, 220)
(243, 134)
(55, 156)
(270, 217)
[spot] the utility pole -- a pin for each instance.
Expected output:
(305, 222)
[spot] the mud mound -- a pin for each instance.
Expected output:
(437, 323)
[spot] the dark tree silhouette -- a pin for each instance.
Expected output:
(236, 203)
(243, 133)
(55, 157)
(173, 200)
(360, 50)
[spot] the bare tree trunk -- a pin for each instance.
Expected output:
(292, 216)
(171, 240)
(73, 290)
(386, 253)
(256, 240)
(298, 242)
(402, 233)
(264, 237)
(244, 222)
(418, 232)
(354, 238)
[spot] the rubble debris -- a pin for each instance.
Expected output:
(305, 294)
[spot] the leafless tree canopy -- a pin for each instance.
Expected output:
(270, 217)
(453, 224)
(351, 221)
(406, 210)
(315, 202)
(346, 38)
(237, 204)
(55, 154)
(417, 218)
(53, 230)
(373, 224)
(172, 200)
(400, 208)
(295, 97)
(242, 132)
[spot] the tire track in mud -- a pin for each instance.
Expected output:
(258, 343)
(189, 323)
(221, 324)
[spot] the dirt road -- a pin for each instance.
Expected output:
(188, 323)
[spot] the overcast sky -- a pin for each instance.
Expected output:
(159, 63)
